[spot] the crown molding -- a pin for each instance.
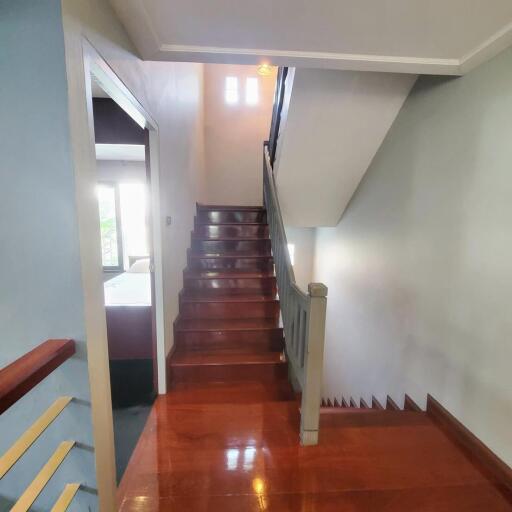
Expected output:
(330, 60)
(137, 20)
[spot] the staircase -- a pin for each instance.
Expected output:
(226, 435)
(227, 334)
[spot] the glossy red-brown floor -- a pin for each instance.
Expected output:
(233, 456)
(226, 436)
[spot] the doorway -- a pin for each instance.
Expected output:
(127, 189)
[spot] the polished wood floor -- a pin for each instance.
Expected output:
(226, 436)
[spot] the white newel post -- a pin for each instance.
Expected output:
(313, 364)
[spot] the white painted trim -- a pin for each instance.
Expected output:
(117, 90)
(487, 50)
(346, 61)
(152, 47)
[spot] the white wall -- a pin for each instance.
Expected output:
(303, 239)
(332, 126)
(172, 94)
(419, 267)
(234, 136)
(41, 292)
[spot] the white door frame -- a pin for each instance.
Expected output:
(97, 67)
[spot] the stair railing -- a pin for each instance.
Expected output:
(303, 315)
(16, 380)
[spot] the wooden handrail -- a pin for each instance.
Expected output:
(19, 377)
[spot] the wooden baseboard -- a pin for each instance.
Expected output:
(488, 462)
(411, 405)
(168, 365)
(376, 404)
(391, 404)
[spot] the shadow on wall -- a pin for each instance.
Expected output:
(418, 267)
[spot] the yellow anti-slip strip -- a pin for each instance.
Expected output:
(65, 499)
(34, 489)
(15, 452)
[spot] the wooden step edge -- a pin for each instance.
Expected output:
(229, 224)
(184, 364)
(344, 403)
(232, 255)
(203, 238)
(352, 403)
(480, 454)
(227, 207)
(411, 405)
(228, 329)
(376, 404)
(232, 299)
(391, 404)
(363, 404)
(226, 275)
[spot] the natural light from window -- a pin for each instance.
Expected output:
(291, 252)
(122, 209)
(108, 225)
(132, 197)
(251, 91)
(231, 91)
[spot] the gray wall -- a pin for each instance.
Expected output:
(40, 283)
(419, 268)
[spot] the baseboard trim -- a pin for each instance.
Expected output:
(391, 404)
(168, 365)
(376, 404)
(488, 462)
(410, 404)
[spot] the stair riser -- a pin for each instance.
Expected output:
(244, 342)
(211, 310)
(249, 264)
(231, 231)
(227, 217)
(227, 372)
(238, 286)
(260, 247)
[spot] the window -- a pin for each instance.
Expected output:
(231, 92)
(122, 209)
(251, 91)
(111, 253)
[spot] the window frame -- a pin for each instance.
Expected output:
(119, 231)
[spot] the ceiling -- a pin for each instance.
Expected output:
(413, 36)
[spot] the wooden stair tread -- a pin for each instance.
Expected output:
(234, 255)
(204, 238)
(229, 392)
(218, 207)
(187, 358)
(191, 297)
(226, 274)
(230, 224)
(235, 324)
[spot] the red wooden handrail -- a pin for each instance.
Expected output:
(19, 377)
